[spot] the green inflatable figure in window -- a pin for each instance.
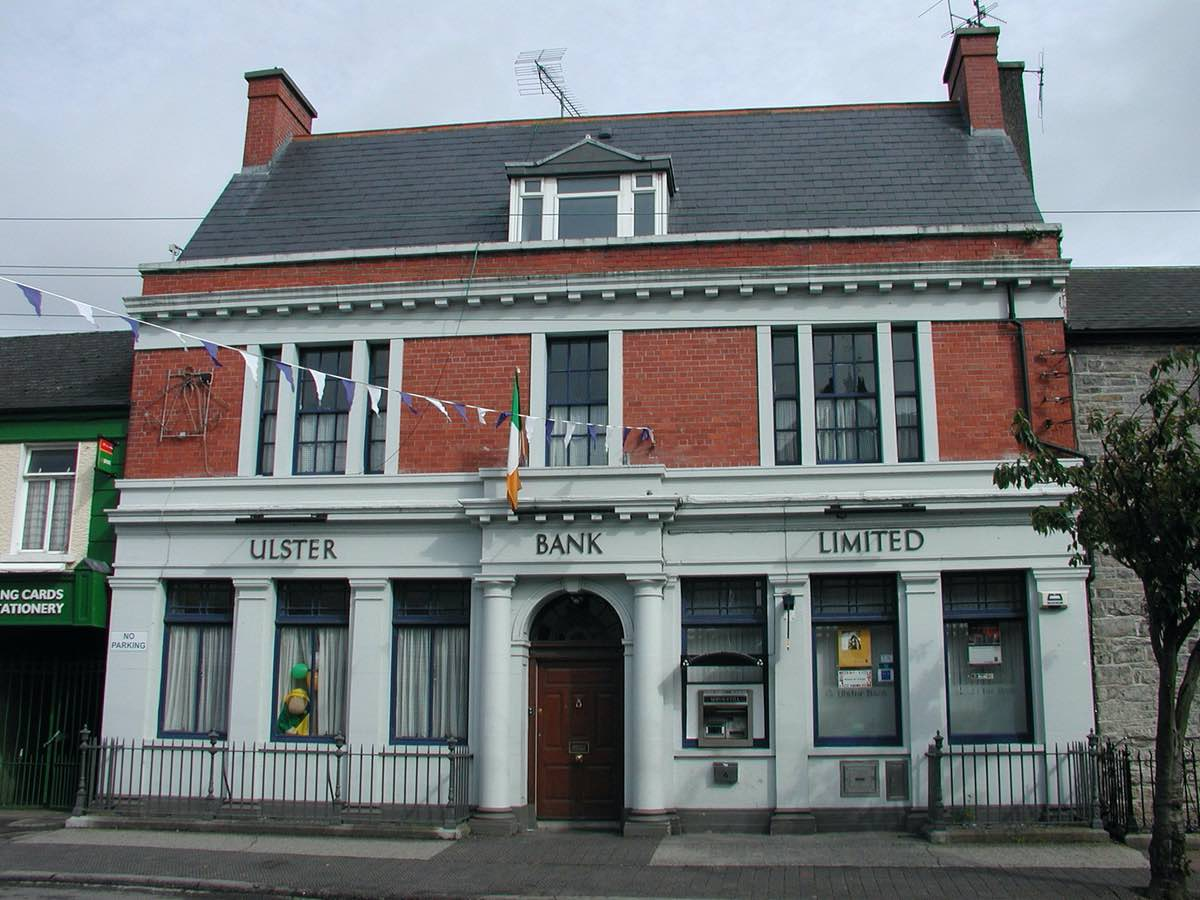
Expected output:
(293, 714)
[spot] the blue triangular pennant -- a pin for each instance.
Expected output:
(461, 409)
(211, 349)
(348, 390)
(287, 372)
(502, 418)
(133, 326)
(34, 296)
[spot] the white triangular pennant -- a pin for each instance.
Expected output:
(568, 432)
(83, 309)
(482, 413)
(437, 404)
(319, 383)
(252, 364)
(374, 392)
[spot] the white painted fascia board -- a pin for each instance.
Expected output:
(858, 233)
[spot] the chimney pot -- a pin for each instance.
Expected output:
(277, 112)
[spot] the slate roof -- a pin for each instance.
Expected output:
(65, 372)
(745, 170)
(1150, 298)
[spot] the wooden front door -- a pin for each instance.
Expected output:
(578, 738)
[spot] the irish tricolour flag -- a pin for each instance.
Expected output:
(513, 479)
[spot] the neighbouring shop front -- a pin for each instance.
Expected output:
(52, 652)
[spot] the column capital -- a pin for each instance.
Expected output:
(495, 580)
(921, 582)
(132, 583)
(251, 588)
(368, 589)
(788, 584)
(647, 583)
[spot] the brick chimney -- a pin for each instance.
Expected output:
(277, 112)
(973, 77)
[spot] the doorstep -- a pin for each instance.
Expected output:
(259, 826)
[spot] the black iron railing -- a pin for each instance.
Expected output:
(1012, 784)
(1127, 779)
(319, 783)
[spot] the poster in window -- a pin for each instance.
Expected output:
(854, 648)
(983, 644)
(854, 679)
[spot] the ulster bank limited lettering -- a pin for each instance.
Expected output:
(894, 540)
(569, 545)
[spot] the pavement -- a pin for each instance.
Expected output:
(40, 858)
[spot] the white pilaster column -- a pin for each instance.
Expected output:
(370, 662)
(647, 767)
(252, 700)
(492, 748)
(923, 672)
(791, 697)
(285, 418)
(251, 410)
(1062, 684)
(132, 677)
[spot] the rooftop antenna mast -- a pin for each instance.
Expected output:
(982, 19)
(541, 72)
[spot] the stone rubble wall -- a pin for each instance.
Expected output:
(1109, 378)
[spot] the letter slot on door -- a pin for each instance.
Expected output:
(726, 719)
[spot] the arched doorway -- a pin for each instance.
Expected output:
(576, 687)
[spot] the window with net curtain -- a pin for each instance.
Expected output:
(987, 663)
(312, 627)
(322, 423)
(724, 631)
(49, 493)
(847, 402)
(431, 650)
(856, 669)
(197, 658)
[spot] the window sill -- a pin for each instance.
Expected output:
(37, 562)
(864, 748)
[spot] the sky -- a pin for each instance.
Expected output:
(123, 121)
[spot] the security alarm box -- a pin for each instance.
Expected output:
(725, 719)
(1052, 599)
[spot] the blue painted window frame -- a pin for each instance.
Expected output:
(216, 616)
(405, 616)
(954, 611)
(725, 619)
(878, 613)
(321, 614)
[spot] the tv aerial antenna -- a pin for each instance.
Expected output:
(541, 72)
(982, 19)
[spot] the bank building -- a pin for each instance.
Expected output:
(765, 363)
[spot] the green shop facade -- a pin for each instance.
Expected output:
(58, 468)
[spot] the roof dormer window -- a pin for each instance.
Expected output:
(589, 190)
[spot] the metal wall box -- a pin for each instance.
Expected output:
(725, 773)
(726, 719)
(860, 777)
(895, 779)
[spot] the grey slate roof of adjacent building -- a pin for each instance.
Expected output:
(743, 170)
(1147, 298)
(65, 372)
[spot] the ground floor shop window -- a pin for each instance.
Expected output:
(197, 656)
(987, 667)
(312, 644)
(431, 648)
(856, 660)
(724, 645)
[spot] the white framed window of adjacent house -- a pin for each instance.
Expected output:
(49, 492)
(629, 204)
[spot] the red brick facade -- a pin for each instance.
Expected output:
(578, 262)
(697, 389)
(164, 406)
(474, 370)
(977, 368)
